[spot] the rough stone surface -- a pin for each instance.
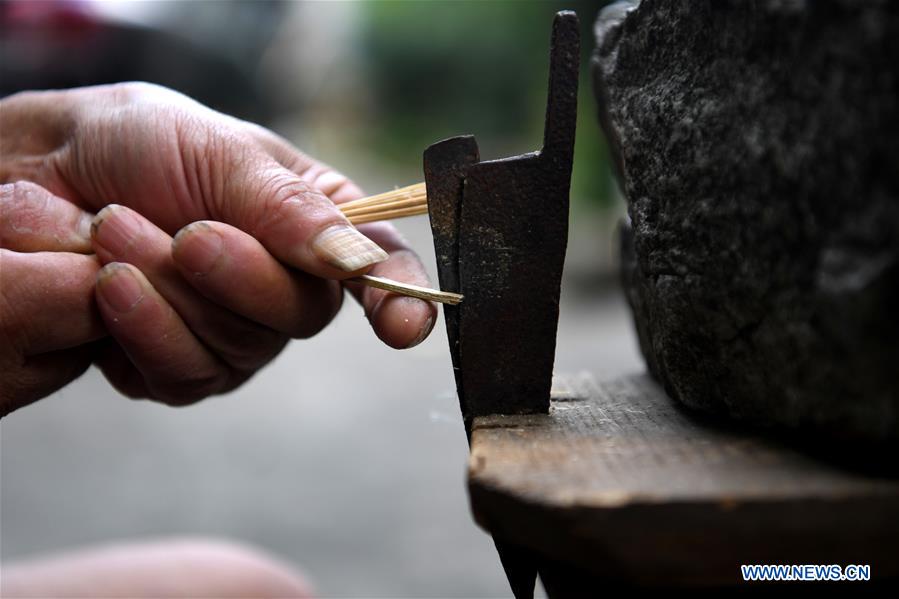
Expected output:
(758, 146)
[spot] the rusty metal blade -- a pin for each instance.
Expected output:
(446, 164)
(513, 233)
(500, 232)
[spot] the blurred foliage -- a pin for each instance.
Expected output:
(439, 69)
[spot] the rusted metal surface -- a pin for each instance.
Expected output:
(446, 163)
(500, 231)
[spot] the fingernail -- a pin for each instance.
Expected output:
(423, 334)
(343, 247)
(120, 288)
(115, 228)
(85, 225)
(198, 247)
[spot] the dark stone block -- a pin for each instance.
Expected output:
(758, 147)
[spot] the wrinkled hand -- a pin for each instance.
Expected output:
(219, 239)
(47, 310)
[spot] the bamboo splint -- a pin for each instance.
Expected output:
(399, 203)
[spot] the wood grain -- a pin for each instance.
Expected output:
(619, 483)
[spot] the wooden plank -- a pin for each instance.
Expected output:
(619, 483)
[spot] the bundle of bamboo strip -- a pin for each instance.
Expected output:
(399, 203)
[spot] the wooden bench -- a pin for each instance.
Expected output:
(617, 485)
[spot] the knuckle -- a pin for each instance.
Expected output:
(312, 321)
(10, 192)
(281, 195)
(188, 389)
(129, 92)
(277, 187)
(24, 200)
(250, 348)
(198, 152)
(211, 152)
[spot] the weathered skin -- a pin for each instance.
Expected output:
(757, 146)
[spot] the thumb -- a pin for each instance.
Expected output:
(296, 223)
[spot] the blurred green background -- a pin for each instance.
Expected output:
(441, 69)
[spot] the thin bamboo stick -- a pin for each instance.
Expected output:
(406, 201)
(444, 297)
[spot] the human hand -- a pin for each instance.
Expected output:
(47, 310)
(175, 162)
